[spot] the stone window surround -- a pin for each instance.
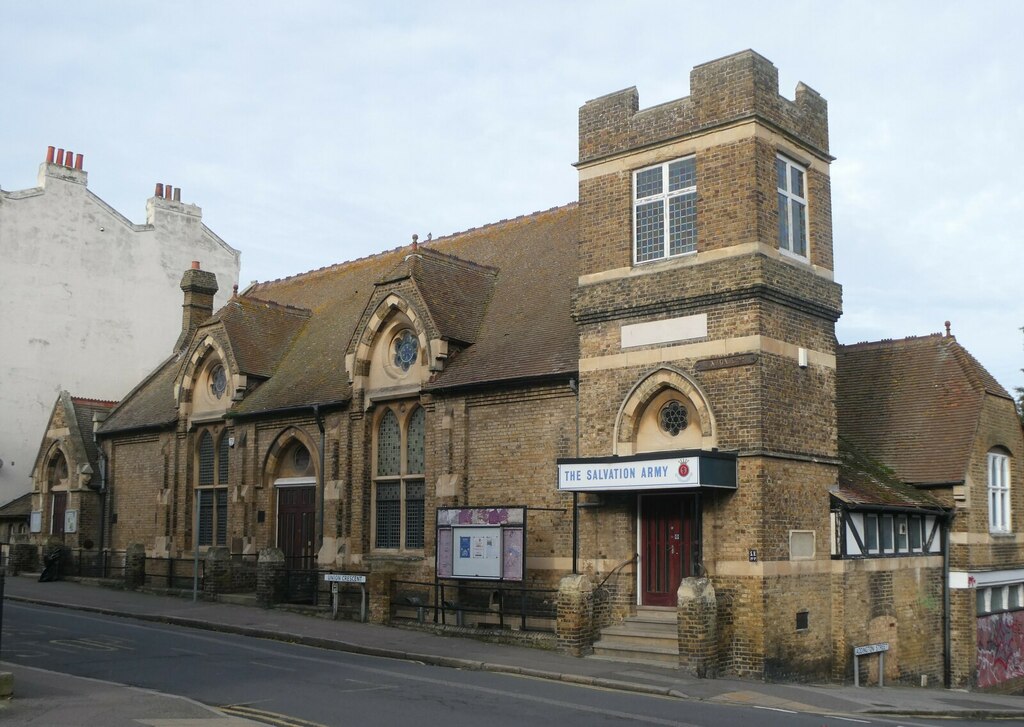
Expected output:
(998, 492)
(664, 197)
(403, 410)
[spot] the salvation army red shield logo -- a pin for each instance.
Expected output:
(684, 470)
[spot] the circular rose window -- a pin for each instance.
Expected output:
(405, 347)
(218, 381)
(672, 418)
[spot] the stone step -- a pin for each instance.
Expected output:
(654, 614)
(612, 651)
(640, 634)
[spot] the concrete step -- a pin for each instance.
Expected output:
(654, 614)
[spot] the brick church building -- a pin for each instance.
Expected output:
(637, 399)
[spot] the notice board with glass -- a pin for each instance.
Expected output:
(481, 542)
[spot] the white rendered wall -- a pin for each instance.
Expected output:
(89, 302)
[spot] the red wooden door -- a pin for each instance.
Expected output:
(669, 546)
(295, 526)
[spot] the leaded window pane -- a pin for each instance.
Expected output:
(682, 174)
(783, 221)
(885, 531)
(206, 517)
(222, 461)
(799, 228)
(648, 182)
(871, 532)
(417, 424)
(673, 418)
(205, 459)
(389, 446)
(650, 231)
(222, 517)
(414, 514)
(682, 224)
(915, 533)
(780, 173)
(796, 186)
(406, 347)
(389, 514)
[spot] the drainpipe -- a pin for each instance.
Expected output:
(320, 474)
(947, 638)
(575, 495)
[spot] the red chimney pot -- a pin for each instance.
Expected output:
(60, 157)
(69, 159)
(49, 154)
(167, 191)
(195, 265)
(78, 161)
(159, 190)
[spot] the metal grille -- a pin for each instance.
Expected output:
(682, 224)
(222, 517)
(414, 514)
(389, 514)
(205, 517)
(650, 233)
(205, 459)
(222, 461)
(415, 442)
(389, 445)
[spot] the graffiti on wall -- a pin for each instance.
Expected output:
(1000, 648)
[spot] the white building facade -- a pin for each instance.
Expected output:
(87, 297)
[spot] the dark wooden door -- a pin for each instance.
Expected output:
(296, 532)
(60, 506)
(670, 545)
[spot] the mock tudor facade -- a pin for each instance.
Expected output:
(647, 377)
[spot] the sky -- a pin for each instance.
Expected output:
(316, 132)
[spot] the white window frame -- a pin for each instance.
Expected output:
(998, 492)
(664, 198)
(786, 198)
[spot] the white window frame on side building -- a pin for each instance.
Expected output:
(998, 492)
(791, 182)
(676, 205)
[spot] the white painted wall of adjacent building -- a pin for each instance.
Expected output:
(89, 301)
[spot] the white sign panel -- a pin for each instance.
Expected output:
(651, 474)
(36, 521)
(344, 578)
(476, 552)
(70, 521)
(670, 330)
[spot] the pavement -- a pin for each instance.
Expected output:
(468, 653)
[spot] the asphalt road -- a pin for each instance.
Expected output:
(289, 684)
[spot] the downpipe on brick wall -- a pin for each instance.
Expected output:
(947, 640)
(574, 385)
(323, 480)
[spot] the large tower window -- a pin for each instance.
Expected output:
(665, 210)
(792, 190)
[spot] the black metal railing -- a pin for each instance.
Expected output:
(174, 572)
(475, 603)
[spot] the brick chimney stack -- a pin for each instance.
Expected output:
(199, 287)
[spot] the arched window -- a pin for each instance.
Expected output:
(398, 489)
(998, 491)
(57, 484)
(211, 488)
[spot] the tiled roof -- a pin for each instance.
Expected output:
(84, 409)
(865, 482)
(914, 404)
(525, 330)
(150, 404)
(260, 332)
(17, 509)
